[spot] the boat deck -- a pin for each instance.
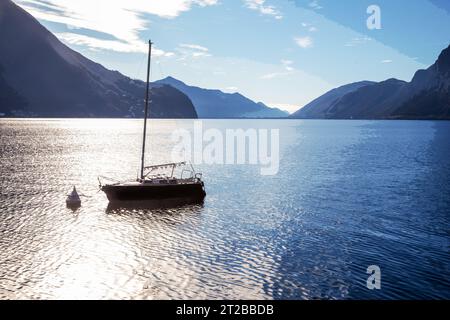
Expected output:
(157, 182)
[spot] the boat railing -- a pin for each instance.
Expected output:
(165, 166)
(183, 174)
(114, 181)
(187, 175)
(152, 171)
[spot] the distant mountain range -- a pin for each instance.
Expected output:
(217, 104)
(40, 76)
(427, 96)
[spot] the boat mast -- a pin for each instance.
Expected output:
(146, 107)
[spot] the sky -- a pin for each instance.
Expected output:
(284, 53)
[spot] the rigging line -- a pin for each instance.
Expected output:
(87, 196)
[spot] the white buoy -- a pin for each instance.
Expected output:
(73, 199)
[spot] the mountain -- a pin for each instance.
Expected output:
(429, 92)
(217, 104)
(8, 96)
(319, 107)
(427, 96)
(40, 76)
(375, 101)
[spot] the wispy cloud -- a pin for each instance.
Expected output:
(315, 5)
(200, 54)
(386, 61)
(118, 46)
(194, 47)
(287, 64)
(187, 50)
(272, 75)
(309, 27)
(304, 42)
(287, 70)
(259, 5)
(122, 20)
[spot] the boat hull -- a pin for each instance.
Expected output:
(73, 204)
(145, 192)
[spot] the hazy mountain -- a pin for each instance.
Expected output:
(218, 104)
(40, 76)
(319, 108)
(369, 102)
(427, 96)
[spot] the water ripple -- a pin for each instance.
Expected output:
(348, 196)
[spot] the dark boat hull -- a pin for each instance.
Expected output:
(145, 192)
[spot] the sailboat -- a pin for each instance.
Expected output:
(157, 182)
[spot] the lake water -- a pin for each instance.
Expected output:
(348, 194)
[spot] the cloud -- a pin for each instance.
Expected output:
(187, 50)
(259, 5)
(121, 20)
(386, 61)
(272, 75)
(288, 70)
(309, 27)
(200, 54)
(287, 65)
(304, 42)
(315, 5)
(99, 44)
(194, 47)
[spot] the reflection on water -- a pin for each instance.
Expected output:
(349, 194)
(130, 206)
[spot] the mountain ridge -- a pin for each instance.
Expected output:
(56, 81)
(42, 77)
(214, 103)
(320, 105)
(426, 96)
